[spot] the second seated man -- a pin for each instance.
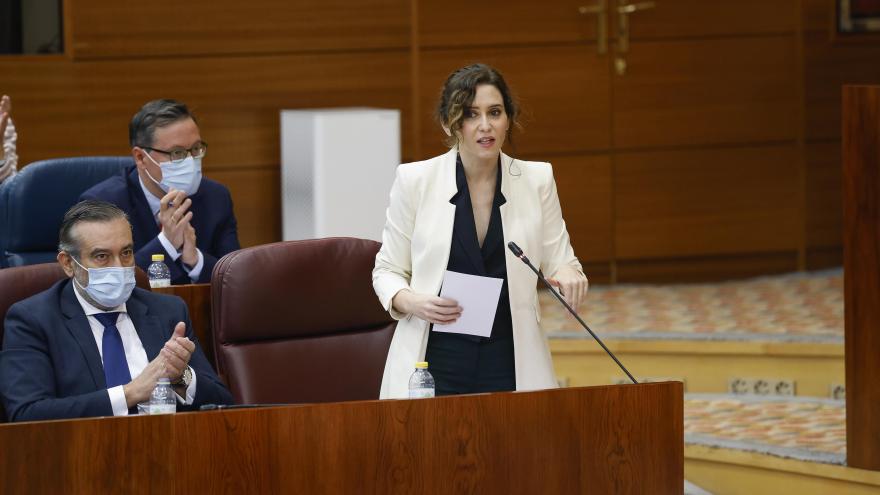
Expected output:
(173, 209)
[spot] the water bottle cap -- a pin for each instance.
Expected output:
(158, 257)
(422, 365)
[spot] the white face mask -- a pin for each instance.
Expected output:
(109, 286)
(184, 176)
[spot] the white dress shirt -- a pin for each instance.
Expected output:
(135, 355)
(156, 204)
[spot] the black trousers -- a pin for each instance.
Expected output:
(468, 365)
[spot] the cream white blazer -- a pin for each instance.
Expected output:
(415, 252)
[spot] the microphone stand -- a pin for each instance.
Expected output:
(519, 254)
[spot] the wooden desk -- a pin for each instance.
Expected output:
(613, 439)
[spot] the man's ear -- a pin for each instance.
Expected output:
(66, 263)
(138, 154)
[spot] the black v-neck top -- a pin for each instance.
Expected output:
(466, 255)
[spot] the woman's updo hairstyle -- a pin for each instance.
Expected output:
(458, 95)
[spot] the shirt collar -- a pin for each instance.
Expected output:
(152, 200)
(89, 308)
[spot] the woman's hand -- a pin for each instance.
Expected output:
(572, 285)
(433, 309)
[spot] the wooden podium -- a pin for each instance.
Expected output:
(602, 440)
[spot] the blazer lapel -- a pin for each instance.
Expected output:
(511, 224)
(148, 327)
(436, 220)
(78, 325)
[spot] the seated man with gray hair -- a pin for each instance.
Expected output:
(94, 344)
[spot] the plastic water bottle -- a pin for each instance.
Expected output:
(158, 271)
(421, 383)
(162, 399)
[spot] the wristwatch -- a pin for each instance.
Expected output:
(185, 379)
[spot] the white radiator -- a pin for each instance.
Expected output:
(337, 167)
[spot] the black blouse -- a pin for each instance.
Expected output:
(466, 255)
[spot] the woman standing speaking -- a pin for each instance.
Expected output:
(457, 212)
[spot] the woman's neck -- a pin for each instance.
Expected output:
(476, 169)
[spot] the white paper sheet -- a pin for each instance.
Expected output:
(478, 298)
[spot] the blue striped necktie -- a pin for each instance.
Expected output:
(115, 365)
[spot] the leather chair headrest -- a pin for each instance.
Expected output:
(296, 289)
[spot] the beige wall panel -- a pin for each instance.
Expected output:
(707, 91)
(584, 186)
(173, 28)
(824, 195)
(564, 92)
(257, 201)
(83, 108)
(494, 22)
(828, 66)
(703, 202)
(688, 18)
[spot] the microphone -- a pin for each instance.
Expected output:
(519, 254)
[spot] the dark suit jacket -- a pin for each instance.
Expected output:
(50, 367)
(213, 219)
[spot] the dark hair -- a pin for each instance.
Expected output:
(458, 94)
(85, 211)
(155, 114)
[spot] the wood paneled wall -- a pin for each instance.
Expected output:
(828, 66)
(715, 155)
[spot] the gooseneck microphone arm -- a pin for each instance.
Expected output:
(519, 254)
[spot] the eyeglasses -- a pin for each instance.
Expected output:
(178, 155)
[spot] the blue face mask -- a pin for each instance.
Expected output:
(184, 176)
(110, 286)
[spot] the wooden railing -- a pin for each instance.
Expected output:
(861, 206)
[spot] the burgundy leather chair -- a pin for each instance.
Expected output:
(298, 322)
(21, 282)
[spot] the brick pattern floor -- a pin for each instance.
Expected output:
(805, 306)
(801, 428)
(795, 307)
